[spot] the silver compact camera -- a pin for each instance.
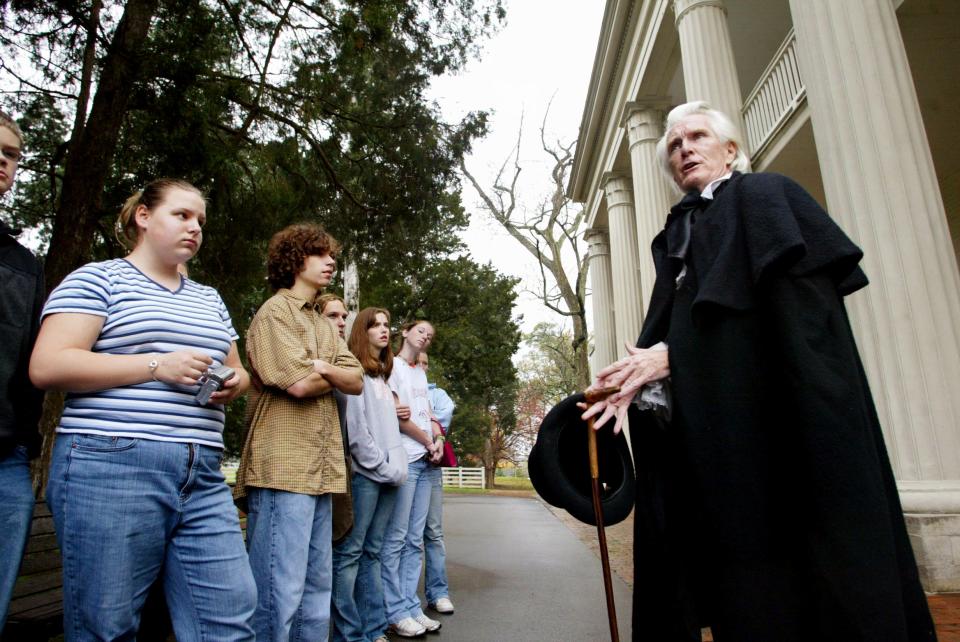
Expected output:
(211, 381)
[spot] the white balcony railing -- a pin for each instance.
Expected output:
(778, 93)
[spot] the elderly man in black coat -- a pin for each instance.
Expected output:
(767, 508)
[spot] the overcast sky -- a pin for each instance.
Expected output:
(546, 50)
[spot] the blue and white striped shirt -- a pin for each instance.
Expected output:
(141, 316)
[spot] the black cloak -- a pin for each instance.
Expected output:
(766, 507)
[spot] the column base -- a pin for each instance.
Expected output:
(935, 538)
(932, 512)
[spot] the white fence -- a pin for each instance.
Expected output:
(464, 477)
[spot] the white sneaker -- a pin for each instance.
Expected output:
(430, 625)
(407, 628)
(443, 605)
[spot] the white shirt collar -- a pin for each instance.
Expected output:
(707, 193)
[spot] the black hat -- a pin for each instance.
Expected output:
(560, 469)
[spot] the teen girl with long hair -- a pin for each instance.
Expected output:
(379, 467)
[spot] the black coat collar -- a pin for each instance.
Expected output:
(758, 227)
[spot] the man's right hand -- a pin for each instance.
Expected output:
(640, 366)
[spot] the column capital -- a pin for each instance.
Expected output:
(643, 120)
(682, 7)
(598, 241)
(647, 108)
(615, 182)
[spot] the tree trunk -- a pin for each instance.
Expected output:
(581, 346)
(88, 163)
(92, 150)
(489, 459)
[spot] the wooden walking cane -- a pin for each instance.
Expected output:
(593, 396)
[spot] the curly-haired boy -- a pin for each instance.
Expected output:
(293, 458)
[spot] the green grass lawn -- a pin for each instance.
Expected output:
(512, 483)
(500, 483)
(465, 491)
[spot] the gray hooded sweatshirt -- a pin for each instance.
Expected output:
(374, 433)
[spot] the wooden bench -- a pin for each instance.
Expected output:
(36, 609)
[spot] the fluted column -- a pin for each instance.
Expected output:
(601, 285)
(880, 183)
(709, 70)
(624, 258)
(652, 195)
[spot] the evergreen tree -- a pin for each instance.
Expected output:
(281, 110)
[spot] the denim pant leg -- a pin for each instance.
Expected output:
(394, 538)
(313, 616)
(411, 559)
(289, 540)
(347, 621)
(435, 583)
(112, 505)
(16, 514)
(369, 591)
(207, 579)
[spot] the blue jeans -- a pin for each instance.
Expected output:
(435, 583)
(289, 536)
(126, 510)
(358, 612)
(16, 513)
(401, 557)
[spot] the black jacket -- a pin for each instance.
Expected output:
(21, 284)
(767, 509)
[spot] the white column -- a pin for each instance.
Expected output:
(601, 286)
(880, 183)
(621, 220)
(709, 70)
(652, 195)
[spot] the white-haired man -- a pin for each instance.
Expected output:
(766, 506)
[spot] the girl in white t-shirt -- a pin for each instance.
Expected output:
(401, 556)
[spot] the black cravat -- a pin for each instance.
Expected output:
(677, 234)
(680, 229)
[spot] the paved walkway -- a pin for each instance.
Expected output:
(520, 572)
(517, 573)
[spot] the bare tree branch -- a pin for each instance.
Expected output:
(549, 233)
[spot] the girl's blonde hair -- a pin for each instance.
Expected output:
(152, 194)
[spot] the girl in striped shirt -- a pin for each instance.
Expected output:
(135, 485)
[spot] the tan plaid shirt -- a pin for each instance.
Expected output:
(292, 444)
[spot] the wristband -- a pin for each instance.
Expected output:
(153, 365)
